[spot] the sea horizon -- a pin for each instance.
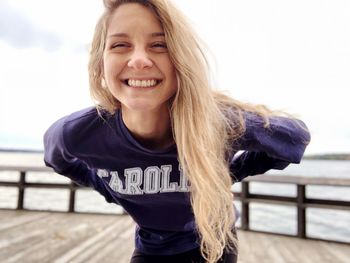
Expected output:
(5, 149)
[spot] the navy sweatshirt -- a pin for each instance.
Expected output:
(149, 184)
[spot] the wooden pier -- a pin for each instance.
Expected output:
(45, 237)
(48, 236)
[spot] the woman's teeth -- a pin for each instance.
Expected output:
(142, 83)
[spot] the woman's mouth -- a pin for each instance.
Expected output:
(137, 83)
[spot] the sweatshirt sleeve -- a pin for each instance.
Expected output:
(57, 156)
(272, 147)
(62, 161)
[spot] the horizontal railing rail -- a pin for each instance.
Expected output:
(300, 201)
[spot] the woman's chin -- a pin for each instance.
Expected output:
(139, 106)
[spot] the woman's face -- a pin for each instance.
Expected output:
(137, 68)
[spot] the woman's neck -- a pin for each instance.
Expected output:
(151, 128)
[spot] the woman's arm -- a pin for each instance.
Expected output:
(57, 156)
(273, 147)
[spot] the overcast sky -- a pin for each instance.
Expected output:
(289, 55)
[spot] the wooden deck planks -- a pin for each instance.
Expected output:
(259, 247)
(59, 237)
(56, 237)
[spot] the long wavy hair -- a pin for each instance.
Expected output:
(205, 122)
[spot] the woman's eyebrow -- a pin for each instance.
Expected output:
(118, 35)
(155, 34)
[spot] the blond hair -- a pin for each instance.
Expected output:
(204, 122)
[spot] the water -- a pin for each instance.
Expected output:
(322, 223)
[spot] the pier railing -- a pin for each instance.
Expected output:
(22, 185)
(300, 201)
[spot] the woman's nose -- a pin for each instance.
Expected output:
(140, 60)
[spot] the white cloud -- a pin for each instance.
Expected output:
(18, 30)
(73, 21)
(38, 87)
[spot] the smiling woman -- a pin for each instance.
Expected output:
(161, 142)
(137, 55)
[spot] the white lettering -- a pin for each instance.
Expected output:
(133, 180)
(167, 187)
(153, 180)
(102, 173)
(184, 184)
(115, 183)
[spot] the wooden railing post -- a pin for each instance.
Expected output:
(21, 188)
(245, 206)
(301, 211)
(71, 208)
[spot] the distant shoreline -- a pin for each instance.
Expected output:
(7, 150)
(324, 156)
(328, 156)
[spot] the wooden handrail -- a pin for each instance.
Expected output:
(299, 180)
(16, 168)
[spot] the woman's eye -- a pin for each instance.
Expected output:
(119, 45)
(159, 45)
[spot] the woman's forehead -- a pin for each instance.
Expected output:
(132, 15)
